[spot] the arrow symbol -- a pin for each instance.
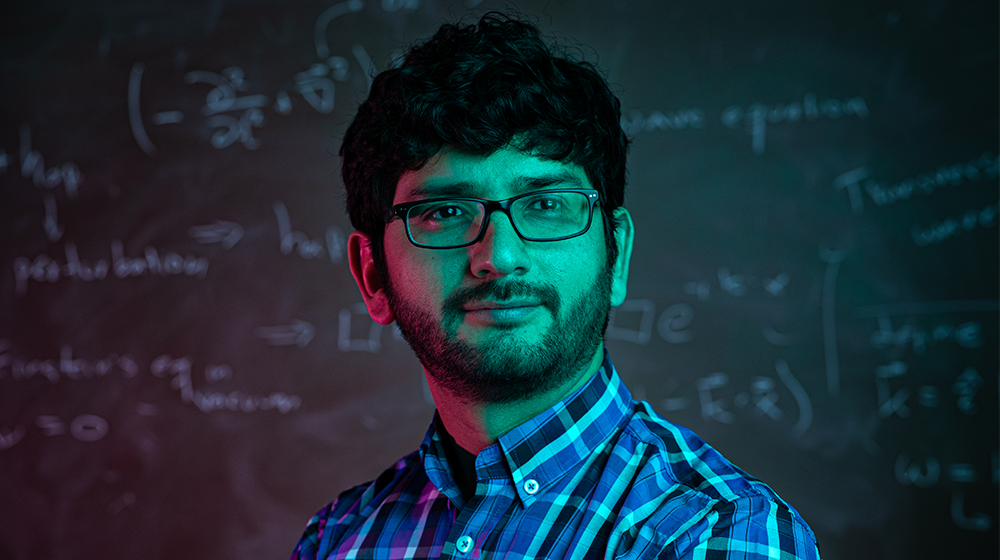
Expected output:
(226, 233)
(298, 333)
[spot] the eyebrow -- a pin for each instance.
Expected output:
(436, 189)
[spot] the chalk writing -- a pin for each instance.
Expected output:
(674, 322)
(83, 427)
(234, 116)
(975, 522)
(985, 217)
(800, 396)
(832, 260)
(298, 333)
(635, 122)
(33, 167)
(345, 342)
(46, 269)
(738, 285)
(986, 167)
(323, 22)
(757, 116)
(927, 472)
(922, 474)
(227, 234)
(66, 366)
(223, 98)
(633, 321)
(51, 222)
(135, 111)
(965, 388)
(966, 335)
(179, 372)
(761, 399)
(891, 403)
(646, 308)
(336, 241)
(233, 112)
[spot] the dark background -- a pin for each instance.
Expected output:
(838, 344)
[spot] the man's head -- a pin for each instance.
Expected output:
(488, 111)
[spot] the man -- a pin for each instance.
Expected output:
(485, 176)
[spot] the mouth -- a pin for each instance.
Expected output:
(486, 311)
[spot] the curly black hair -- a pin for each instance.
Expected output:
(479, 88)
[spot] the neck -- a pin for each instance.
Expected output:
(476, 425)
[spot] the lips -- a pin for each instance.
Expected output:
(500, 302)
(486, 305)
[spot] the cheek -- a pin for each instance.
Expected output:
(418, 275)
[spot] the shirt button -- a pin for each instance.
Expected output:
(531, 486)
(464, 544)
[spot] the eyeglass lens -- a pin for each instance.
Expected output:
(539, 216)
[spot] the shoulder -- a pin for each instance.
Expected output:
(695, 502)
(335, 519)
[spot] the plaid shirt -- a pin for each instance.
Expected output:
(598, 475)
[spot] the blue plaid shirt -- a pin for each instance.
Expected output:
(598, 475)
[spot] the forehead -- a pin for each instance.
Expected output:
(505, 173)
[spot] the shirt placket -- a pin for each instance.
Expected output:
(493, 504)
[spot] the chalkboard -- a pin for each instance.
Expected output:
(186, 368)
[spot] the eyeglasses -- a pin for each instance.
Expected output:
(449, 223)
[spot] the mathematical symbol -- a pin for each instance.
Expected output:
(732, 283)
(776, 285)
(962, 472)
(765, 397)
(11, 438)
(700, 289)
(977, 522)
(641, 335)
(167, 117)
(889, 403)
(282, 103)
(347, 344)
(298, 333)
(911, 472)
(134, 113)
(965, 387)
(712, 409)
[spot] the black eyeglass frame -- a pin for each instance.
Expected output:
(401, 210)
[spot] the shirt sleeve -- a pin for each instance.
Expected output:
(308, 546)
(751, 528)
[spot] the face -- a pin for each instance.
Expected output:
(505, 318)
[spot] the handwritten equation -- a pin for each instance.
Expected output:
(230, 108)
(754, 118)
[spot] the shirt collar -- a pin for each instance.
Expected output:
(543, 449)
(551, 444)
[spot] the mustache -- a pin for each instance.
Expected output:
(503, 291)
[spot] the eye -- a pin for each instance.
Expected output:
(443, 212)
(546, 203)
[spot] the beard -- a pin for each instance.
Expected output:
(506, 368)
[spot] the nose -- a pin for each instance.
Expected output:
(500, 252)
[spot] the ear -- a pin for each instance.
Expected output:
(359, 255)
(619, 272)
